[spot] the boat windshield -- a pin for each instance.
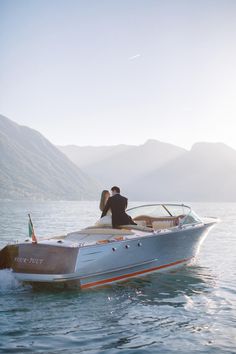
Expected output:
(165, 210)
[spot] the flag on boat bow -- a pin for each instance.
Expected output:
(31, 231)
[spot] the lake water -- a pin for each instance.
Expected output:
(191, 310)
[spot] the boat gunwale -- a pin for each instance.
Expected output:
(75, 244)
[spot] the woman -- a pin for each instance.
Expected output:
(105, 220)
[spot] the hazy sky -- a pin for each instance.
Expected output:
(107, 72)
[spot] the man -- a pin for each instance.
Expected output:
(117, 204)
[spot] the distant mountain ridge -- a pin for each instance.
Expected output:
(205, 173)
(33, 168)
(159, 171)
(122, 164)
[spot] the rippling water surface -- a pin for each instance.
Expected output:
(191, 310)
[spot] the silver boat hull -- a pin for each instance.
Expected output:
(105, 263)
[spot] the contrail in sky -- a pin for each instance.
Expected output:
(135, 56)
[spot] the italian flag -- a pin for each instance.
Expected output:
(31, 231)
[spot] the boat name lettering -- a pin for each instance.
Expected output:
(28, 260)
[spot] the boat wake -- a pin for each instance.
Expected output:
(8, 281)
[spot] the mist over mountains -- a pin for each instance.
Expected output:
(32, 168)
(205, 173)
(122, 164)
(157, 171)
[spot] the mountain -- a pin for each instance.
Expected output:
(122, 164)
(31, 167)
(205, 173)
(84, 156)
(159, 171)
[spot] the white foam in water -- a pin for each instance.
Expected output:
(8, 281)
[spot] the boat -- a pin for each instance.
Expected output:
(166, 236)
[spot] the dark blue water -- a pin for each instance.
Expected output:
(192, 310)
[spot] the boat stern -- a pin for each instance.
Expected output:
(39, 262)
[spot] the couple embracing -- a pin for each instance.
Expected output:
(113, 209)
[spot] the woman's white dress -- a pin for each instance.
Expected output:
(105, 220)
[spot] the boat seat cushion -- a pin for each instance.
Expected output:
(91, 236)
(163, 224)
(149, 220)
(141, 222)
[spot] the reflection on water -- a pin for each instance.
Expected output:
(138, 314)
(190, 310)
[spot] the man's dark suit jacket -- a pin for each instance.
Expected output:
(117, 203)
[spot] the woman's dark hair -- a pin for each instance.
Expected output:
(115, 189)
(104, 196)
